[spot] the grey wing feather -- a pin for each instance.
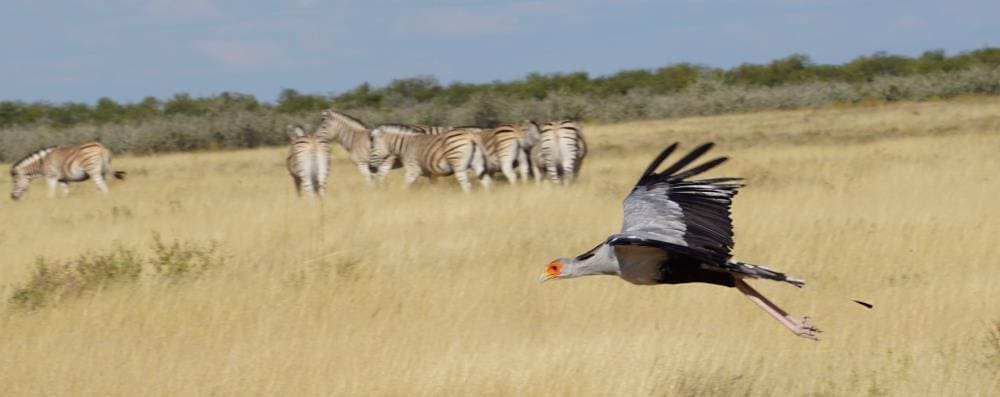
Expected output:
(694, 214)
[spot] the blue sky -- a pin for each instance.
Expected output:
(82, 50)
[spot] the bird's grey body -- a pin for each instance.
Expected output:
(678, 231)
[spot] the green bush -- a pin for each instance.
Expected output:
(52, 282)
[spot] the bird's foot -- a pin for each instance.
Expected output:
(805, 329)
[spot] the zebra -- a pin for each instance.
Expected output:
(352, 134)
(437, 129)
(61, 165)
(560, 151)
(508, 145)
(432, 129)
(454, 152)
(308, 161)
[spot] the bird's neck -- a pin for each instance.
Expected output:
(603, 262)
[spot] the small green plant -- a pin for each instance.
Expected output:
(993, 345)
(177, 259)
(53, 282)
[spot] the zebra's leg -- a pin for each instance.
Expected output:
(307, 186)
(508, 171)
(412, 173)
(320, 185)
(52, 186)
(522, 164)
(482, 172)
(384, 168)
(366, 173)
(298, 185)
(553, 172)
(568, 175)
(463, 180)
(65, 188)
(486, 180)
(101, 184)
(322, 171)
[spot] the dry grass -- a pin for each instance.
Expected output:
(430, 292)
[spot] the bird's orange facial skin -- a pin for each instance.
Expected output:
(554, 269)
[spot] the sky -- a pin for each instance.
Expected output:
(72, 50)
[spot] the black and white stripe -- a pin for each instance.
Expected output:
(308, 161)
(352, 134)
(63, 164)
(454, 152)
(508, 146)
(559, 152)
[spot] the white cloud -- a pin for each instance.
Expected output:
(238, 54)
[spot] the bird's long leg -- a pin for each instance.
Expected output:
(798, 327)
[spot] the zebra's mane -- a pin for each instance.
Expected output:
(399, 129)
(33, 157)
(335, 120)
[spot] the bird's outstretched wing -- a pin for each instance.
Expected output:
(685, 216)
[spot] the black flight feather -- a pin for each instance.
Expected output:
(687, 159)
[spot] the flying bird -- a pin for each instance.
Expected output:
(679, 231)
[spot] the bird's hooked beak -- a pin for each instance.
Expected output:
(553, 270)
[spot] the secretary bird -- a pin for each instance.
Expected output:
(679, 231)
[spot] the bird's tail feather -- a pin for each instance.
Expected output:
(757, 271)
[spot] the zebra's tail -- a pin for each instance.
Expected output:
(757, 271)
(120, 175)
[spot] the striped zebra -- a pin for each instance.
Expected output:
(308, 161)
(454, 152)
(63, 164)
(437, 129)
(352, 135)
(559, 152)
(508, 145)
(432, 129)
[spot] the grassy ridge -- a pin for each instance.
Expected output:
(390, 292)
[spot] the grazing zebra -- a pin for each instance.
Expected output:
(61, 165)
(454, 152)
(508, 145)
(352, 135)
(560, 151)
(308, 161)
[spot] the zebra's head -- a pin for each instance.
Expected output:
(19, 182)
(531, 132)
(295, 131)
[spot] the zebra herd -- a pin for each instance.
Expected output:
(518, 151)
(555, 149)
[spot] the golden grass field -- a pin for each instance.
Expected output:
(433, 292)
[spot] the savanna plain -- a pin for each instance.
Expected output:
(429, 291)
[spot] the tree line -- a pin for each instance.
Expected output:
(796, 69)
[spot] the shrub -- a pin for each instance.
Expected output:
(53, 282)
